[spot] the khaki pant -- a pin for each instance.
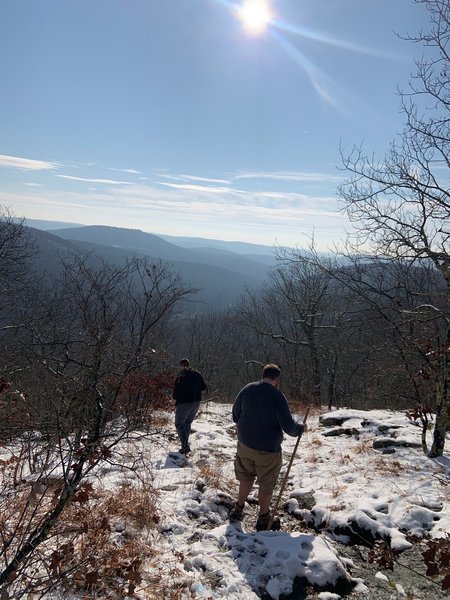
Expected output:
(265, 466)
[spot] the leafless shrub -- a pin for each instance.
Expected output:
(94, 546)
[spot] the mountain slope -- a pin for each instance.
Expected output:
(245, 248)
(157, 247)
(217, 286)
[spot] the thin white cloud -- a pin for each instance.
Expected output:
(195, 188)
(275, 175)
(290, 176)
(31, 184)
(132, 171)
(27, 164)
(104, 181)
(204, 179)
(193, 178)
(210, 201)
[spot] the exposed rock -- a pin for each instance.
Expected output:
(200, 485)
(355, 533)
(369, 423)
(391, 442)
(409, 573)
(381, 427)
(327, 421)
(304, 499)
(341, 431)
(384, 428)
(388, 450)
(223, 499)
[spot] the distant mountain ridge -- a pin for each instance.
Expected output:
(157, 247)
(221, 275)
(244, 248)
(240, 247)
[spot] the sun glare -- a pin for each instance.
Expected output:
(255, 16)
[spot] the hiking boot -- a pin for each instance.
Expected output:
(185, 450)
(263, 522)
(237, 512)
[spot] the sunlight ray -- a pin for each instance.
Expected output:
(310, 34)
(320, 81)
(329, 40)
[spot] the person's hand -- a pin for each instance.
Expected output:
(305, 427)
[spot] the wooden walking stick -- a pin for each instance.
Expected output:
(283, 485)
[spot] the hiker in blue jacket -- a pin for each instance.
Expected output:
(187, 393)
(262, 414)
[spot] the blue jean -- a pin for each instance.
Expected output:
(184, 415)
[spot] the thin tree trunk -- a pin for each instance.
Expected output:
(443, 404)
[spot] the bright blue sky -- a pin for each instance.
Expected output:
(170, 117)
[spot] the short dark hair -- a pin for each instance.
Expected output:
(184, 362)
(271, 371)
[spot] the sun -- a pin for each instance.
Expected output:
(255, 16)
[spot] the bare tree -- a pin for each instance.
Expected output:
(15, 247)
(294, 311)
(92, 331)
(400, 206)
(15, 251)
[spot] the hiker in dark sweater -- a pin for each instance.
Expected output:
(262, 414)
(187, 393)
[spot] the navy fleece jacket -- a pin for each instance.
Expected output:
(262, 414)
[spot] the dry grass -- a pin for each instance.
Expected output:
(363, 446)
(212, 475)
(313, 457)
(337, 490)
(136, 504)
(389, 466)
(315, 440)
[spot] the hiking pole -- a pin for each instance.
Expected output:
(283, 485)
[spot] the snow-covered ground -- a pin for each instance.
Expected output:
(340, 488)
(338, 483)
